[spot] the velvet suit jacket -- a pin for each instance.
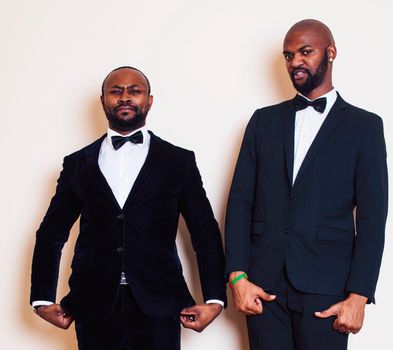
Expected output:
(138, 239)
(309, 226)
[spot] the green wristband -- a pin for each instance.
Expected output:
(238, 278)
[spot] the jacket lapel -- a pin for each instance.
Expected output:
(332, 120)
(157, 150)
(288, 124)
(98, 177)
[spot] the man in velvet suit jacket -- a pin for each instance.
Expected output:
(127, 290)
(304, 166)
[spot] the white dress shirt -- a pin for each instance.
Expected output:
(121, 168)
(307, 124)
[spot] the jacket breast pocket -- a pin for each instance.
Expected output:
(335, 235)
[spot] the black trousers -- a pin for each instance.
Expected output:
(288, 323)
(128, 328)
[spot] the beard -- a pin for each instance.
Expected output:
(313, 80)
(126, 124)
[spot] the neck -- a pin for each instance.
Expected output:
(125, 131)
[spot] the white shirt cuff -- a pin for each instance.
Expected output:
(214, 301)
(46, 303)
(41, 303)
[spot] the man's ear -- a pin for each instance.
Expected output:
(150, 101)
(332, 52)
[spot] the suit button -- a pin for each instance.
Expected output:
(120, 216)
(292, 198)
(119, 249)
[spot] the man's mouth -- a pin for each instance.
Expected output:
(298, 74)
(125, 108)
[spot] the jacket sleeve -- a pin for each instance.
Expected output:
(371, 188)
(240, 203)
(53, 232)
(205, 234)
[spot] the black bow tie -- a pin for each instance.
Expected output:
(301, 103)
(118, 141)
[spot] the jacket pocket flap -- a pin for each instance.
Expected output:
(334, 234)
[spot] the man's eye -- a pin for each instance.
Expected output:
(115, 92)
(288, 57)
(135, 91)
(306, 52)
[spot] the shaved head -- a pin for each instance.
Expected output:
(125, 67)
(312, 25)
(309, 51)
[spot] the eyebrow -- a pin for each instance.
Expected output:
(301, 49)
(127, 87)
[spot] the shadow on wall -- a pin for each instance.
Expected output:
(96, 120)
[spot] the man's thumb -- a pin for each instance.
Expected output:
(331, 311)
(266, 296)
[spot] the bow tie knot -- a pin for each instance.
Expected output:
(301, 103)
(118, 141)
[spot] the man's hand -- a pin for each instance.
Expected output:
(56, 315)
(198, 317)
(349, 313)
(247, 296)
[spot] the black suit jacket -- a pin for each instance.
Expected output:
(138, 239)
(309, 227)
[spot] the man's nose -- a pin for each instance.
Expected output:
(125, 97)
(297, 61)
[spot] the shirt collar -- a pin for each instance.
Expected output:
(331, 97)
(143, 129)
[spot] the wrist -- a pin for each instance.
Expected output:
(234, 274)
(237, 277)
(215, 306)
(37, 309)
(357, 298)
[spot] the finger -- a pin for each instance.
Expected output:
(332, 311)
(254, 309)
(266, 296)
(340, 326)
(343, 329)
(188, 323)
(188, 317)
(189, 310)
(251, 307)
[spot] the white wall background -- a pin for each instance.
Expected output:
(211, 63)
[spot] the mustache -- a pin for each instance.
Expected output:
(126, 104)
(295, 70)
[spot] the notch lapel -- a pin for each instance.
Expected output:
(288, 134)
(91, 153)
(156, 153)
(332, 120)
